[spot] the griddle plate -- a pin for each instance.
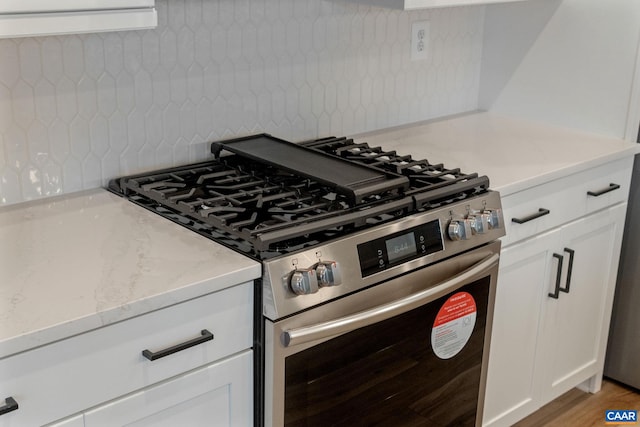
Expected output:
(353, 180)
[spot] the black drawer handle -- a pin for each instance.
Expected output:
(541, 212)
(571, 253)
(556, 291)
(10, 404)
(611, 187)
(206, 336)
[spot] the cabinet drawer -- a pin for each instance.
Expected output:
(565, 199)
(220, 394)
(66, 377)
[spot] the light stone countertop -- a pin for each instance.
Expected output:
(74, 263)
(515, 154)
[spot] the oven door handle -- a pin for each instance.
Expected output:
(332, 328)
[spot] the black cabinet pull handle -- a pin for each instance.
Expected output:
(10, 404)
(611, 187)
(206, 336)
(556, 291)
(569, 269)
(541, 212)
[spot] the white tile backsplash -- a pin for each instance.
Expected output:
(78, 110)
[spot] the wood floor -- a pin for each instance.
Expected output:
(579, 409)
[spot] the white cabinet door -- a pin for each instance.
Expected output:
(217, 395)
(424, 4)
(543, 346)
(31, 6)
(512, 382)
(428, 4)
(22, 18)
(576, 325)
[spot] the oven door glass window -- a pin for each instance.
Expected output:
(387, 374)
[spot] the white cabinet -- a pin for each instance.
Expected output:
(428, 4)
(512, 380)
(216, 395)
(555, 290)
(206, 348)
(575, 326)
(20, 18)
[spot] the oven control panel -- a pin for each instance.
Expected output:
(389, 251)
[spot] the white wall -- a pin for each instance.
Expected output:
(566, 62)
(78, 110)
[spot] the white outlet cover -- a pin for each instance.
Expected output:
(420, 40)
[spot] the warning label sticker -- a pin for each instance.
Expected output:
(453, 325)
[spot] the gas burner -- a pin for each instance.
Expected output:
(272, 197)
(425, 179)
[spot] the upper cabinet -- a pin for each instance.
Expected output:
(23, 18)
(427, 4)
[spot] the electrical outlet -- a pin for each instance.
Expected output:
(419, 40)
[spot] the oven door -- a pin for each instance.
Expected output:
(411, 351)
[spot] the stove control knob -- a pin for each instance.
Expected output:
(459, 229)
(495, 217)
(304, 282)
(328, 273)
(479, 223)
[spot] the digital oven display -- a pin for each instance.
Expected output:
(401, 247)
(389, 251)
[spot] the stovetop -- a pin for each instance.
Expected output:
(264, 204)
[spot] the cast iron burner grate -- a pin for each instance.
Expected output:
(263, 211)
(430, 184)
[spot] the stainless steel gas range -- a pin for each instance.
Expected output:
(379, 274)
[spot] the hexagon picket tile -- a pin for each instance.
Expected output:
(107, 98)
(31, 178)
(75, 110)
(10, 187)
(79, 137)
(72, 177)
(66, 100)
(117, 132)
(180, 151)
(73, 57)
(51, 176)
(59, 140)
(178, 85)
(125, 95)
(110, 164)
(87, 97)
(170, 123)
(38, 144)
(176, 14)
(161, 87)
(45, 102)
(153, 127)
(202, 46)
(193, 14)
(94, 55)
(10, 60)
(30, 61)
(16, 148)
(92, 171)
(24, 109)
(99, 137)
